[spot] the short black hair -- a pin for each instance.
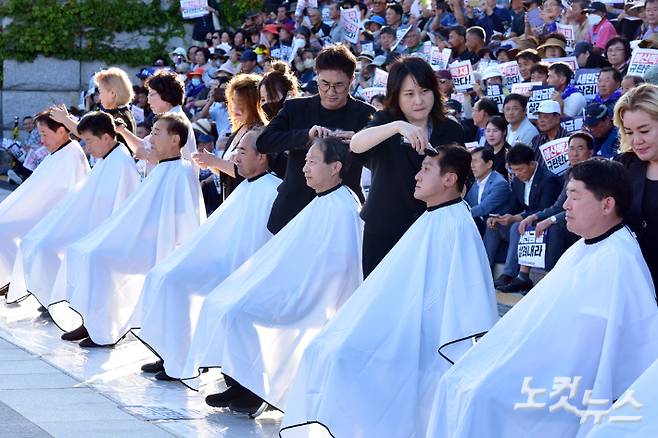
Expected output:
(168, 85)
(459, 30)
(176, 125)
(540, 67)
(97, 123)
(520, 153)
(562, 69)
(616, 75)
(387, 30)
(43, 118)
(488, 153)
(616, 40)
(335, 149)
(488, 106)
(520, 98)
(336, 57)
(606, 178)
(589, 140)
(397, 8)
(456, 159)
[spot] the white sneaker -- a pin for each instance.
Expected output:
(13, 177)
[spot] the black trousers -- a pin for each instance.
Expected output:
(375, 248)
(211, 198)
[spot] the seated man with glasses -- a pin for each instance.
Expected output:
(332, 112)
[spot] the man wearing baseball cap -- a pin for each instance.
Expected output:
(548, 123)
(599, 124)
(249, 62)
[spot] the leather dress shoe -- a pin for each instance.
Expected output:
(88, 343)
(249, 404)
(223, 399)
(76, 335)
(153, 367)
(502, 280)
(517, 285)
(162, 375)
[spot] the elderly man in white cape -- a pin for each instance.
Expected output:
(113, 178)
(575, 342)
(102, 274)
(373, 370)
(58, 175)
(175, 289)
(258, 321)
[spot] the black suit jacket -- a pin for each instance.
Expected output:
(288, 131)
(638, 173)
(545, 189)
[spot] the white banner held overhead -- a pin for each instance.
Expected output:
(641, 61)
(511, 73)
(462, 75)
(349, 20)
(194, 8)
(555, 155)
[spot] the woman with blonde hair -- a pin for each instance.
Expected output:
(244, 112)
(636, 117)
(116, 92)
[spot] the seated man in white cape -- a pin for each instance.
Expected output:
(102, 274)
(257, 322)
(59, 174)
(174, 289)
(113, 178)
(633, 415)
(579, 338)
(373, 370)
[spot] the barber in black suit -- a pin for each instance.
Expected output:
(332, 112)
(534, 188)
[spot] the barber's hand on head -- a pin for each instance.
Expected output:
(204, 159)
(319, 132)
(58, 113)
(527, 222)
(542, 226)
(346, 136)
(415, 136)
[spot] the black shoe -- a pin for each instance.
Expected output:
(517, 285)
(223, 399)
(153, 367)
(76, 335)
(4, 289)
(162, 375)
(249, 404)
(503, 280)
(88, 343)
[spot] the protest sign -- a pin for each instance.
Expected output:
(641, 61)
(380, 78)
(462, 75)
(537, 96)
(495, 93)
(194, 8)
(368, 93)
(555, 155)
(525, 88)
(35, 157)
(573, 124)
(586, 81)
(349, 20)
(532, 249)
(138, 113)
(510, 72)
(439, 58)
(569, 60)
(368, 48)
(569, 33)
(399, 36)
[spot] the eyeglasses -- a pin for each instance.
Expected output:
(339, 87)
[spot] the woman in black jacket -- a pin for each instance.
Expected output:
(636, 116)
(392, 147)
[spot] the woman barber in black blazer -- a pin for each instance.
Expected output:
(392, 146)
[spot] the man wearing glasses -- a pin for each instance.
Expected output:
(332, 112)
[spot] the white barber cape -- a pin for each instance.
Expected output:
(59, 174)
(175, 289)
(594, 316)
(102, 274)
(107, 186)
(373, 371)
(258, 321)
(626, 418)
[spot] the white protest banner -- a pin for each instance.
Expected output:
(426, 51)
(194, 8)
(555, 155)
(532, 249)
(368, 48)
(380, 78)
(303, 4)
(569, 33)
(510, 72)
(641, 61)
(495, 93)
(471, 145)
(138, 113)
(399, 36)
(573, 124)
(439, 58)
(537, 96)
(349, 20)
(586, 81)
(35, 157)
(569, 60)
(368, 93)
(462, 75)
(525, 88)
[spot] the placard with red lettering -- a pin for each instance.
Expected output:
(349, 20)
(525, 88)
(462, 75)
(510, 72)
(555, 155)
(641, 61)
(569, 60)
(568, 31)
(439, 58)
